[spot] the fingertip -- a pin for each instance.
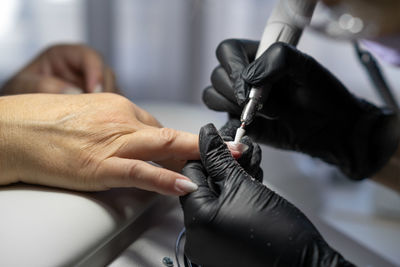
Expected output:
(93, 81)
(235, 154)
(209, 139)
(184, 186)
(207, 130)
(177, 185)
(237, 149)
(94, 71)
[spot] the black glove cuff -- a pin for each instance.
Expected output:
(319, 253)
(384, 140)
(374, 140)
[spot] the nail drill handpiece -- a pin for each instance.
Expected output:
(285, 24)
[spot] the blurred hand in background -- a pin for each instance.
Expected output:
(64, 68)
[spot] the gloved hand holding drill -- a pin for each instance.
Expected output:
(314, 112)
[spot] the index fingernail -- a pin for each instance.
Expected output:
(185, 186)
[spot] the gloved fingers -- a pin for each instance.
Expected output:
(257, 172)
(234, 56)
(278, 61)
(275, 133)
(258, 175)
(279, 100)
(229, 128)
(222, 83)
(251, 158)
(246, 156)
(257, 155)
(215, 101)
(215, 156)
(193, 202)
(198, 175)
(243, 157)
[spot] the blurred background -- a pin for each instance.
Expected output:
(163, 51)
(159, 49)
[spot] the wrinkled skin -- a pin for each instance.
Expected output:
(89, 142)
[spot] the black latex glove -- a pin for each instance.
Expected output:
(251, 158)
(245, 223)
(315, 113)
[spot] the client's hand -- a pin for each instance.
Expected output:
(90, 142)
(63, 69)
(234, 220)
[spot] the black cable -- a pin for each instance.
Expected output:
(186, 260)
(178, 245)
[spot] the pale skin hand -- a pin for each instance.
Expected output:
(60, 68)
(89, 142)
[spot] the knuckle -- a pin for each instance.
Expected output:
(278, 49)
(132, 171)
(146, 117)
(216, 75)
(226, 44)
(229, 42)
(168, 135)
(117, 100)
(159, 178)
(162, 182)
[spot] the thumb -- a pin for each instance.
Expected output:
(216, 158)
(279, 60)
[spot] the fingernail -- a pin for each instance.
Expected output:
(237, 147)
(185, 186)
